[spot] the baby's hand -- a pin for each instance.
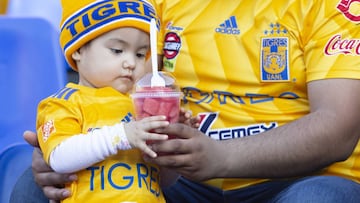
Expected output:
(186, 118)
(138, 132)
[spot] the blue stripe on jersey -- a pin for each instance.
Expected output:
(127, 118)
(60, 93)
(69, 93)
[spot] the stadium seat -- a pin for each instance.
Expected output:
(14, 160)
(31, 69)
(47, 9)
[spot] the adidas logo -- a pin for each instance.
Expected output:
(229, 26)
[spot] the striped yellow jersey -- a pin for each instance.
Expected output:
(243, 65)
(78, 110)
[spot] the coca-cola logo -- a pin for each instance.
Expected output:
(344, 7)
(172, 45)
(338, 45)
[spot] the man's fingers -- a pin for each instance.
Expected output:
(38, 164)
(172, 161)
(44, 175)
(31, 138)
(172, 146)
(51, 178)
(56, 193)
(178, 129)
(147, 126)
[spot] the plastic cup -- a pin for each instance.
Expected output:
(152, 101)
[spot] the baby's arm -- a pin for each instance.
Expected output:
(83, 150)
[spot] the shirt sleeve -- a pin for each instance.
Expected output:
(83, 150)
(332, 40)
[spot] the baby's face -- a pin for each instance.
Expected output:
(115, 59)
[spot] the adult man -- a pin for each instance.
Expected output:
(276, 84)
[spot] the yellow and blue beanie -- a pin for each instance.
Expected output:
(84, 20)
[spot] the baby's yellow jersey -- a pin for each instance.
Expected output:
(124, 177)
(244, 65)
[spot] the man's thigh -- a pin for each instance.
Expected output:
(26, 190)
(315, 189)
(185, 191)
(318, 189)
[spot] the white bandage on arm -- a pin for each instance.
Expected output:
(83, 150)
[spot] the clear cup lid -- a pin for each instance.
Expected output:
(144, 84)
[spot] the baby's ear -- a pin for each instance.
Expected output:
(76, 55)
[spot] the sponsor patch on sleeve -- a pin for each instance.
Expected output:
(47, 129)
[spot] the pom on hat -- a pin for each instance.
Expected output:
(84, 20)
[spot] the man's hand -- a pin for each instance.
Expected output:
(194, 155)
(51, 183)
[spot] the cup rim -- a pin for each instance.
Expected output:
(156, 94)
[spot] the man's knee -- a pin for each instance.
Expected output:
(320, 189)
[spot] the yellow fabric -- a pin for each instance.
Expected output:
(84, 20)
(122, 177)
(243, 65)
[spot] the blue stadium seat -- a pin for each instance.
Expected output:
(31, 68)
(47, 9)
(14, 160)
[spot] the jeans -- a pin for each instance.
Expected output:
(312, 189)
(26, 190)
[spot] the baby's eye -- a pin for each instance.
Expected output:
(116, 51)
(140, 55)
